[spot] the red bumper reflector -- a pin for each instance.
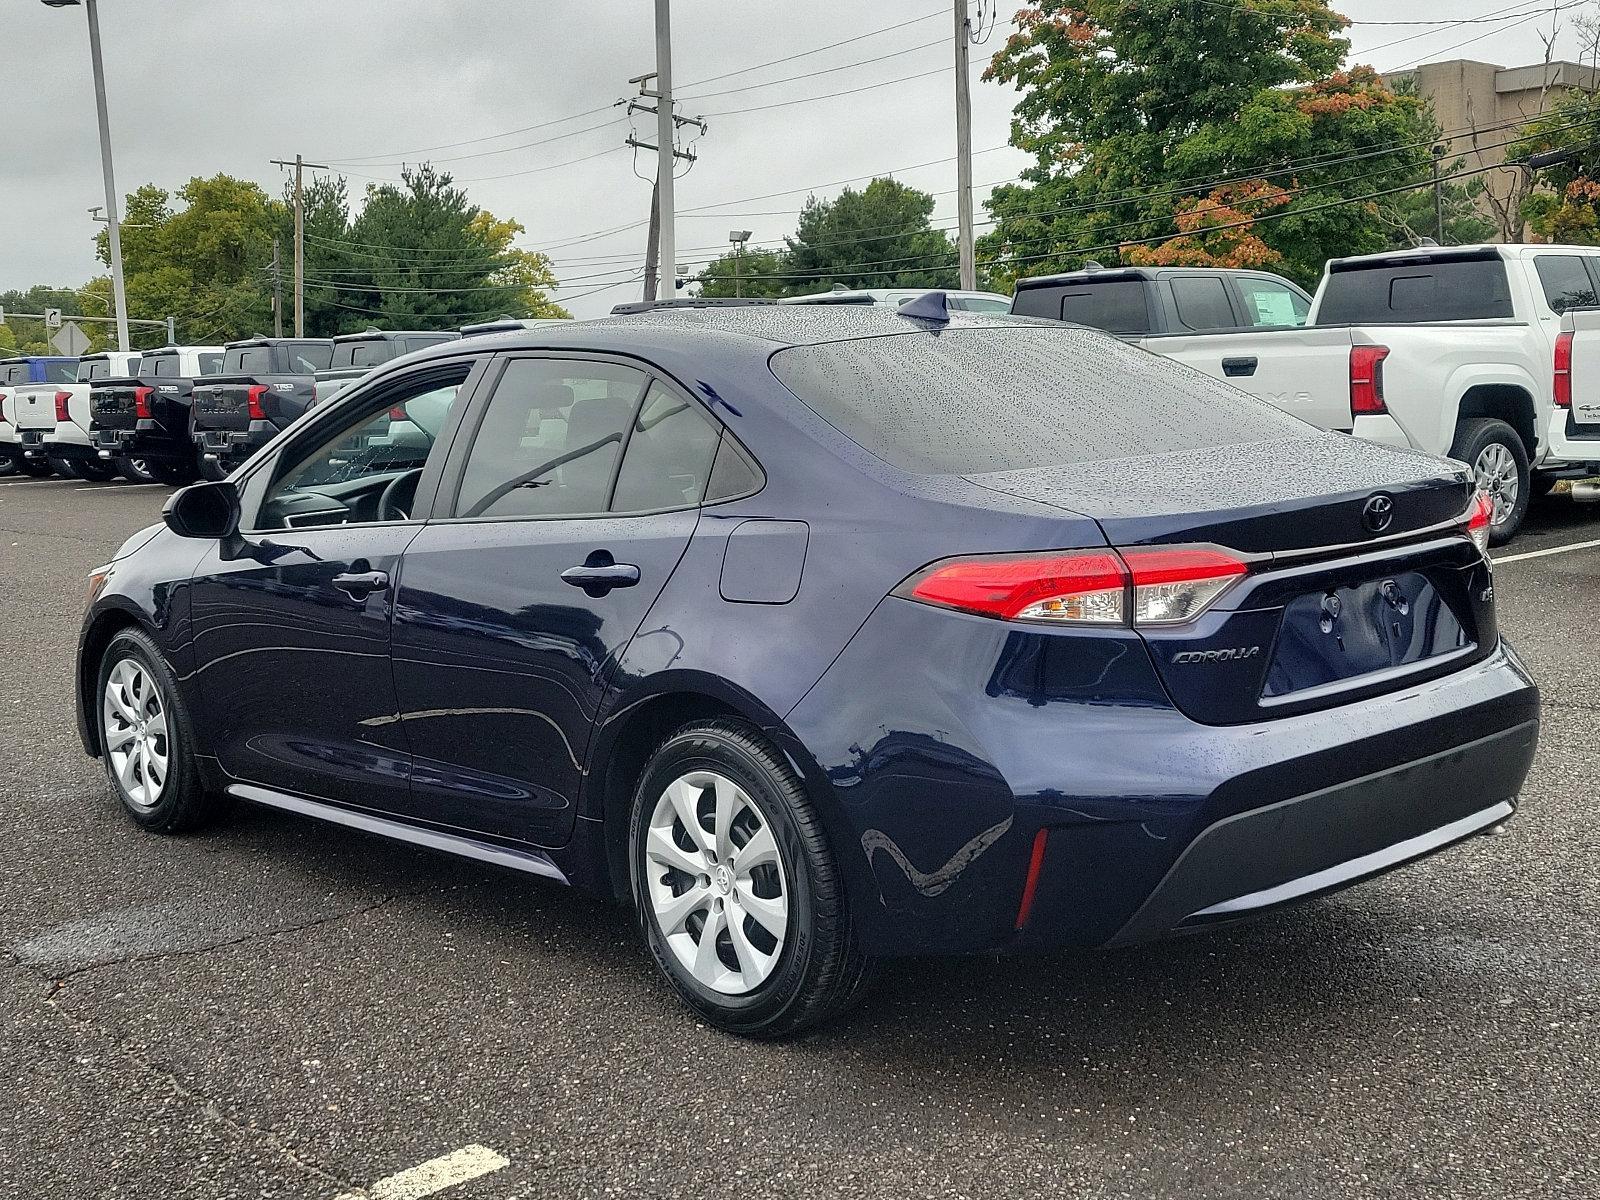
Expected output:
(1031, 885)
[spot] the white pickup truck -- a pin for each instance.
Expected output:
(1449, 350)
(55, 420)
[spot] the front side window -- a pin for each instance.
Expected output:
(211, 364)
(368, 468)
(550, 439)
(1268, 303)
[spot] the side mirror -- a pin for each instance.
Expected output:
(203, 510)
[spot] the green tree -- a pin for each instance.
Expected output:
(1196, 132)
(878, 237)
(1563, 205)
(20, 335)
(755, 273)
(528, 271)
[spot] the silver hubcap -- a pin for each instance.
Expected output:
(716, 883)
(136, 732)
(1496, 472)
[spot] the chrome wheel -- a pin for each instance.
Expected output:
(137, 742)
(717, 888)
(1496, 473)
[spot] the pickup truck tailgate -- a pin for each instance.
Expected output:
(1305, 372)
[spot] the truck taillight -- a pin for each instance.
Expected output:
(1366, 380)
(1479, 517)
(1140, 585)
(141, 402)
(253, 402)
(61, 406)
(1563, 373)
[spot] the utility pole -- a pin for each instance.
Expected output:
(969, 262)
(1438, 197)
(738, 237)
(299, 166)
(652, 245)
(277, 291)
(666, 138)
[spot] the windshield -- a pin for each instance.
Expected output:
(974, 400)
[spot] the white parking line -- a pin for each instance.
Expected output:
(435, 1175)
(117, 487)
(1511, 558)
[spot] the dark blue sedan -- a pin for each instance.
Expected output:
(820, 634)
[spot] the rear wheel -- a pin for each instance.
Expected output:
(8, 465)
(34, 467)
(1499, 463)
(96, 471)
(145, 741)
(62, 467)
(738, 895)
(135, 470)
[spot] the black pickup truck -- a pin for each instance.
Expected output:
(265, 384)
(146, 417)
(354, 354)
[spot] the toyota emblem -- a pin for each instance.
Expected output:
(1377, 514)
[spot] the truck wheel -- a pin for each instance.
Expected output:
(96, 472)
(135, 470)
(1499, 462)
(32, 466)
(173, 474)
(63, 468)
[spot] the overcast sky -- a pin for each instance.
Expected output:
(201, 86)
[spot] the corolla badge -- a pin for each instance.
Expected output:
(1377, 514)
(1231, 654)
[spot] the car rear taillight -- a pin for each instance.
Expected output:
(141, 402)
(61, 405)
(1157, 585)
(1563, 373)
(253, 402)
(1366, 380)
(1479, 517)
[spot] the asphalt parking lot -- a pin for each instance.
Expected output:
(279, 1008)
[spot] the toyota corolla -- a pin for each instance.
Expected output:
(815, 635)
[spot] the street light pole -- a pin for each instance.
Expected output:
(113, 221)
(738, 237)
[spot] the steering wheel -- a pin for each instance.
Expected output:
(395, 502)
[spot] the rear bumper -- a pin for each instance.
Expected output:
(144, 443)
(1381, 428)
(70, 442)
(30, 444)
(234, 445)
(1255, 861)
(1571, 445)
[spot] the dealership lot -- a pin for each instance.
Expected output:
(278, 1008)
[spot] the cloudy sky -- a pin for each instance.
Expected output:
(514, 97)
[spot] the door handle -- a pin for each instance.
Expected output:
(1235, 367)
(358, 585)
(600, 578)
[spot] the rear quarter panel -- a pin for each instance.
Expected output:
(1431, 367)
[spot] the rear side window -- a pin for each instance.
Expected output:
(163, 366)
(248, 360)
(976, 400)
(1116, 305)
(1566, 282)
(1268, 303)
(549, 440)
(211, 364)
(64, 371)
(669, 455)
(362, 354)
(1450, 289)
(1203, 302)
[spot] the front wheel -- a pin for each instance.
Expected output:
(33, 467)
(738, 895)
(145, 739)
(1499, 463)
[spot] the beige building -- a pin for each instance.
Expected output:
(1481, 106)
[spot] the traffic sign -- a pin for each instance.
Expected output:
(52, 318)
(72, 340)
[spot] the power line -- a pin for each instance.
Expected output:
(939, 12)
(1528, 19)
(750, 87)
(882, 83)
(616, 120)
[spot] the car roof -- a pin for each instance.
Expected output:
(750, 327)
(388, 335)
(273, 341)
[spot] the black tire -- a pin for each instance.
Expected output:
(135, 470)
(172, 473)
(96, 471)
(182, 802)
(8, 466)
(820, 968)
(213, 470)
(33, 467)
(1541, 485)
(1477, 437)
(63, 467)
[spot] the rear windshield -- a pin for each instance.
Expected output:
(248, 360)
(1115, 305)
(62, 371)
(974, 400)
(1450, 289)
(211, 363)
(100, 368)
(363, 354)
